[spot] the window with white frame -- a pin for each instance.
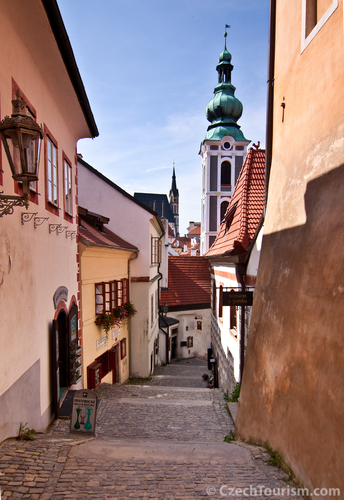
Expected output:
(51, 172)
(155, 250)
(68, 187)
(315, 13)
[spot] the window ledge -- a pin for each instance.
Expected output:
(234, 333)
(52, 204)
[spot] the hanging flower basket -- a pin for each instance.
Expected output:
(116, 317)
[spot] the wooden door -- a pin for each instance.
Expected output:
(114, 364)
(55, 363)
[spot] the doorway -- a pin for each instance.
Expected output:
(114, 363)
(60, 359)
(63, 353)
(174, 347)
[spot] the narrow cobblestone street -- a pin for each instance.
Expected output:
(160, 440)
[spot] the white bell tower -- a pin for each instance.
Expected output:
(223, 152)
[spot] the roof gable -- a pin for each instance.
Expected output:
(90, 234)
(245, 209)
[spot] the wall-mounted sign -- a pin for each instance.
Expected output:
(116, 332)
(101, 342)
(83, 417)
(237, 298)
(61, 293)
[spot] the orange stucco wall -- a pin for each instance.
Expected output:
(292, 394)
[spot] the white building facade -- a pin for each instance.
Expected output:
(140, 225)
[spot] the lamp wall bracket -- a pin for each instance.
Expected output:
(7, 204)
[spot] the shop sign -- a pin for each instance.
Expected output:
(237, 298)
(83, 417)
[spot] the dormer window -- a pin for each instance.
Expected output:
(229, 218)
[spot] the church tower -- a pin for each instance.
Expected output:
(223, 152)
(174, 201)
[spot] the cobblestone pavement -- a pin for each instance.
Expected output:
(160, 440)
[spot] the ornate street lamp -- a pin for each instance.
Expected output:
(21, 137)
(165, 308)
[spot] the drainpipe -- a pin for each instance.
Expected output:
(159, 288)
(270, 97)
(129, 279)
(241, 270)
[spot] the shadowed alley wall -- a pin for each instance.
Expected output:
(293, 392)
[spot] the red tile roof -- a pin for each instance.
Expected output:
(195, 247)
(88, 235)
(189, 282)
(196, 231)
(245, 209)
(180, 242)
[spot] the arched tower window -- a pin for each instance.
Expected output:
(226, 176)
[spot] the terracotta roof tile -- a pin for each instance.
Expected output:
(181, 241)
(245, 209)
(105, 238)
(196, 231)
(189, 281)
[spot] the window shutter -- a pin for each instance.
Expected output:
(125, 287)
(113, 286)
(100, 298)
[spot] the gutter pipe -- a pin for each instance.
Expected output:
(270, 97)
(134, 257)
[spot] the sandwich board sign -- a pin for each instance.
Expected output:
(84, 410)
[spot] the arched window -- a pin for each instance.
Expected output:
(226, 176)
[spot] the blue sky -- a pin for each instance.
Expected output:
(149, 69)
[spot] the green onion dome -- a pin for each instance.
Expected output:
(224, 110)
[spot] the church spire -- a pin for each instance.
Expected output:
(174, 201)
(174, 189)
